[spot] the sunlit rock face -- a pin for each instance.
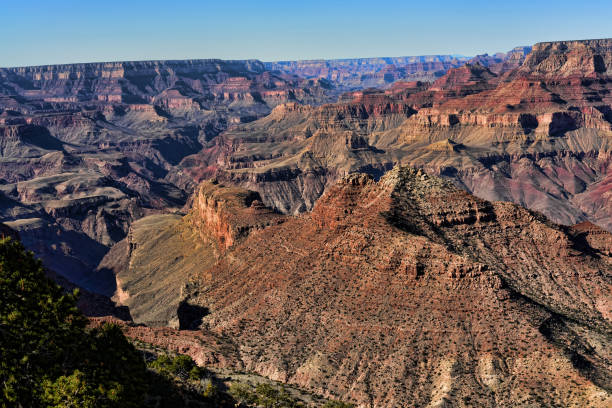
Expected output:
(411, 292)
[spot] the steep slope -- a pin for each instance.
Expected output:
(90, 304)
(539, 135)
(155, 264)
(411, 292)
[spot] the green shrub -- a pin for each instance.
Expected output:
(271, 397)
(181, 366)
(69, 391)
(197, 373)
(211, 392)
(242, 393)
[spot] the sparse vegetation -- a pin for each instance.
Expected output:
(186, 384)
(266, 396)
(183, 367)
(338, 404)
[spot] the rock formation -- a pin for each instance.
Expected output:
(503, 62)
(226, 215)
(359, 304)
(538, 135)
(404, 292)
(155, 264)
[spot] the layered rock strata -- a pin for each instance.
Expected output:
(409, 292)
(538, 135)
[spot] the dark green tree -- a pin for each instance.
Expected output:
(48, 356)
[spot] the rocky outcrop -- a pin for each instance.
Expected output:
(585, 58)
(464, 81)
(365, 289)
(593, 236)
(229, 214)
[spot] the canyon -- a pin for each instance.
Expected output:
(426, 231)
(87, 149)
(359, 73)
(538, 134)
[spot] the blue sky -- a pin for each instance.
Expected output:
(35, 32)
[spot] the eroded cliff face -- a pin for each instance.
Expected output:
(182, 84)
(585, 58)
(229, 214)
(539, 135)
(155, 265)
(358, 304)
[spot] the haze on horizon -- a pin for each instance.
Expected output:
(37, 32)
